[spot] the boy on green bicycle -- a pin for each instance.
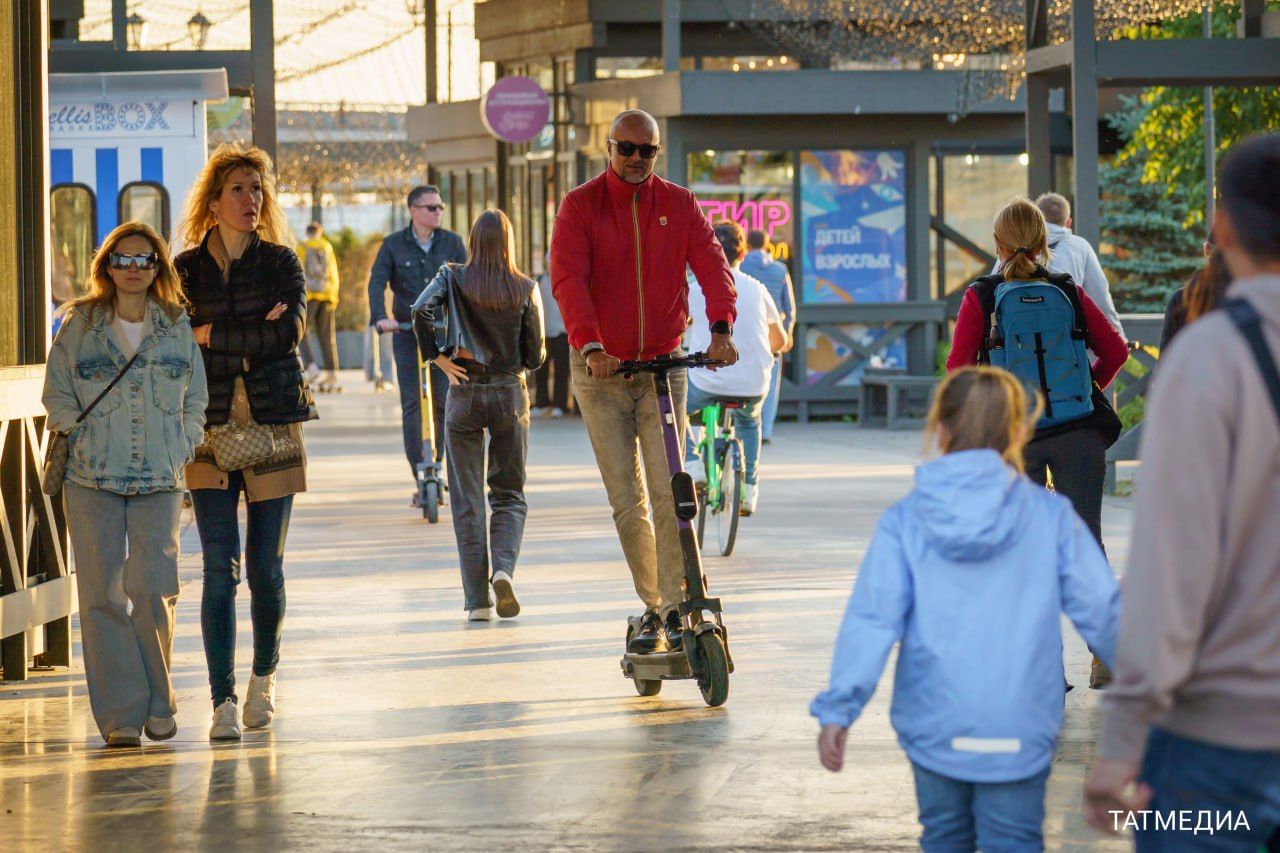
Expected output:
(759, 334)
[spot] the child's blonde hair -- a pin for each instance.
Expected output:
(1019, 228)
(983, 408)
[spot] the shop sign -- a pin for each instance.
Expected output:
(140, 118)
(515, 109)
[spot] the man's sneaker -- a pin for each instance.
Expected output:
(694, 468)
(1099, 675)
(750, 496)
(225, 726)
(649, 638)
(479, 614)
(538, 411)
(674, 629)
(507, 604)
(260, 701)
(160, 728)
(557, 412)
(124, 736)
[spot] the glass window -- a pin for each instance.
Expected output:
(753, 188)
(976, 186)
(517, 196)
(73, 225)
(476, 185)
(490, 188)
(627, 67)
(831, 348)
(445, 181)
(855, 247)
(148, 203)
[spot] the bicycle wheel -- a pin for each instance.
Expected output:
(730, 497)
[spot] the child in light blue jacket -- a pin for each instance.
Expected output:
(970, 573)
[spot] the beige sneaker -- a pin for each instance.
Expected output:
(124, 736)
(260, 701)
(160, 728)
(506, 593)
(225, 725)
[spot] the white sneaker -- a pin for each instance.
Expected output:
(225, 725)
(313, 370)
(479, 614)
(750, 495)
(557, 412)
(538, 411)
(507, 604)
(696, 471)
(260, 701)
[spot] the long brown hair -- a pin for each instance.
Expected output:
(1020, 228)
(165, 290)
(198, 218)
(1208, 289)
(983, 407)
(490, 277)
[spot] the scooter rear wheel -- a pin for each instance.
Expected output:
(644, 687)
(714, 681)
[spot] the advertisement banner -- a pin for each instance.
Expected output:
(854, 226)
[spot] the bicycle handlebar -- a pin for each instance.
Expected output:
(665, 364)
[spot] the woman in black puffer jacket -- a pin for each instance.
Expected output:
(248, 311)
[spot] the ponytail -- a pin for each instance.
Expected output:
(1020, 229)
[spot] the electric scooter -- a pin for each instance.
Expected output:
(431, 487)
(704, 652)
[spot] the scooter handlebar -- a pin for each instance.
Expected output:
(666, 364)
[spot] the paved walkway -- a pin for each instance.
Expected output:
(402, 727)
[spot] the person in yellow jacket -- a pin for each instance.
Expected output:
(320, 269)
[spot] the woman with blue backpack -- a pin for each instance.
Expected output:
(1041, 327)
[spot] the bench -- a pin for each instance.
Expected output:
(894, 399)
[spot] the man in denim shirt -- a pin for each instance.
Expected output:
(760, 265)
(407, 261)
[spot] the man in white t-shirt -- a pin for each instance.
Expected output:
(759, 335)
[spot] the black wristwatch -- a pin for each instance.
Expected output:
(722, 327)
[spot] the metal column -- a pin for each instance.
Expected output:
(263, 47)
(670, 35)
(1084, 119)
(922, 341)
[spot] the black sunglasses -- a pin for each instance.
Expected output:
(122, 261)
(646, 152)
(434, 208)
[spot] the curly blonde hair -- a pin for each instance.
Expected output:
(165, 290)
(226, 158)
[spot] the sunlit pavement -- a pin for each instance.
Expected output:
(403, 727)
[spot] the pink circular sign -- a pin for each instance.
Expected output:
(515, 109)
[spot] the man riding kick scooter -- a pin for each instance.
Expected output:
(621, 245)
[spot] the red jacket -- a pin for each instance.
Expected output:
(1100, 336)
(618, 258)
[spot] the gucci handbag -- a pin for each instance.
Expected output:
(239, 446)
(59, 450)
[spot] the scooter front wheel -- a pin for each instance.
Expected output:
(714, 681)
(431, 501)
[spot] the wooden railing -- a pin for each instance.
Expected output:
(37, 591)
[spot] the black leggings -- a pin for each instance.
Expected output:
(1077, 459)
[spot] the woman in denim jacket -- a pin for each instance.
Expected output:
(494, 334)
(124, 482)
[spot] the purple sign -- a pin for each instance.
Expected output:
(515, 109)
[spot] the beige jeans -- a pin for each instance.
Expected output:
(622, 422)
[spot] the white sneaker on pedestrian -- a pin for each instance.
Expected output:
(557, 412)
(507, 604)
(695, 470)
(538, 411)
(160, 728)
(750, 495)
(225, 725)
(260, 701)
(124, 736)
(479, 614)
(313, 370)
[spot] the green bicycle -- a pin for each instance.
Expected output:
(722, 458)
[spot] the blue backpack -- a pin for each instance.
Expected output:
(1036, 331)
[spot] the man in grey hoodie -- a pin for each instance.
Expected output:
(1193, 715)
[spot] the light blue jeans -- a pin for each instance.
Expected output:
(770, 413)
(995, 817)
(746, 422)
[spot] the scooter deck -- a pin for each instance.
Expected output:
(656, 666)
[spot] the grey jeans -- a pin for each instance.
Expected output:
(498, 404)
(622, 422)
(126, 549)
